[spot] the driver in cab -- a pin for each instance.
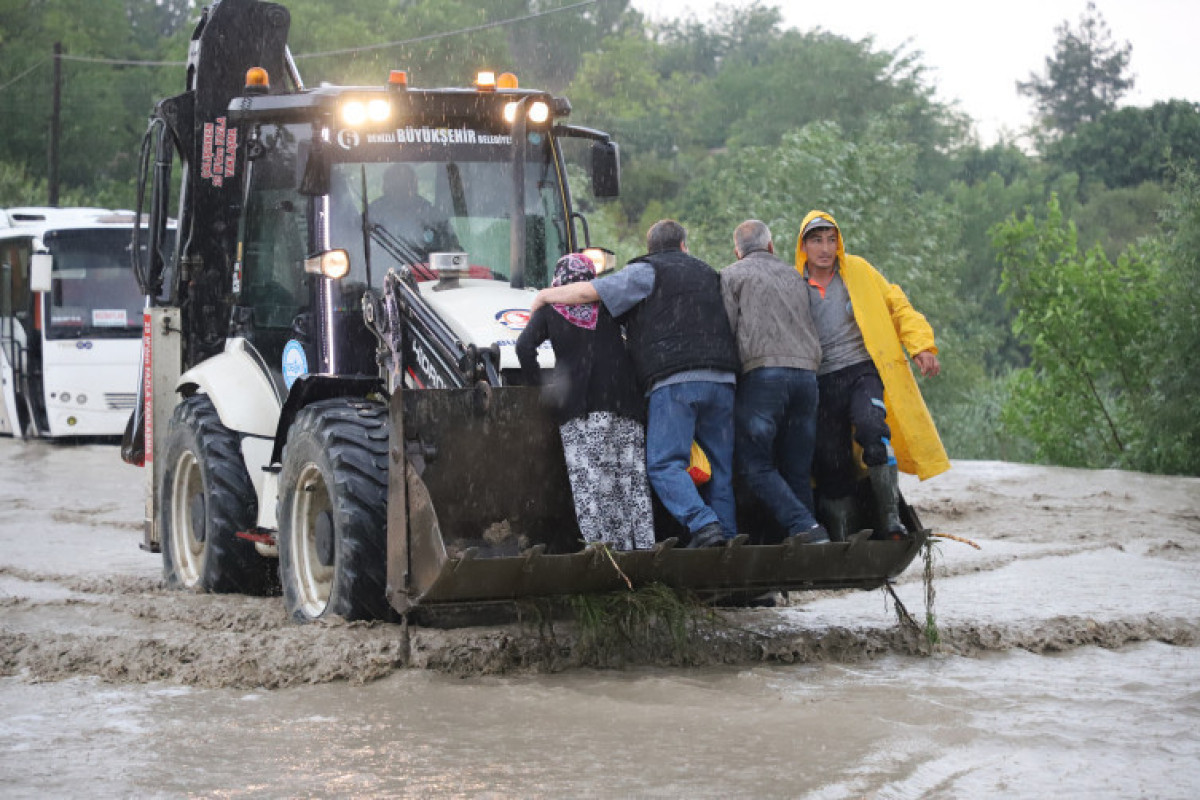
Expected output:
(410, 219)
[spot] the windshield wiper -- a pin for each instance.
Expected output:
(403, 251)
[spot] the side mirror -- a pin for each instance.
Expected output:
(315, 180)
(606, 169)
(40, 268)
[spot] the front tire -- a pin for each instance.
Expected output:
(333, 511)
(207, 498)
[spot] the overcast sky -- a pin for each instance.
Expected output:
(977, 51)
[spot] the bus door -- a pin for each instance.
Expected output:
(15, 306)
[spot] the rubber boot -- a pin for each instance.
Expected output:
(839, 517)
(885, 487)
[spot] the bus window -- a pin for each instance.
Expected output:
(94, 292)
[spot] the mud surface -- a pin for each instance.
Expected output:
(1066, 661)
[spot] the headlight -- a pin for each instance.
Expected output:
(331, 264)
(371, 111)
(379, 110)
(537, 113)
(603, 258)
(354, 113)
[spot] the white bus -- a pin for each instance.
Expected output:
(70, 322)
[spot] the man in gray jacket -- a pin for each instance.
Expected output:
(775, 413)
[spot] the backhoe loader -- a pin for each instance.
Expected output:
(330, 399)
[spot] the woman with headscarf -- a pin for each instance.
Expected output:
(599, 411)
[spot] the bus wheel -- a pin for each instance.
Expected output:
(207, 498)
(333, 511)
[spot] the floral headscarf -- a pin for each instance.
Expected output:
(572, 268)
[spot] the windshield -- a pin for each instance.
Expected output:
(446, 190)
(94, 293)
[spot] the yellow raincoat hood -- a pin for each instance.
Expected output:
(890, 326)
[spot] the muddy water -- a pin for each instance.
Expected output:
(1088, 723)
(1068, 665)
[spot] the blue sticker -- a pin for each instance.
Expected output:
(295, 363)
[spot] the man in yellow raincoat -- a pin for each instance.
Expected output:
(867, 388)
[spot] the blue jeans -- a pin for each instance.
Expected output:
(776, 424)
(677, 414)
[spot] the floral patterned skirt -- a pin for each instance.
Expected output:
(606, 462)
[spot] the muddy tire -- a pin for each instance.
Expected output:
(333, 511)
(207, 498)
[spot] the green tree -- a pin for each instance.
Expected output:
(1084, 78)
(1116, 219)
(866, 179)
(677, 94)
(352, 40)
(151, 20)
(1090, 325)
(1004, 161)
(547, 51)
(1174, 425)
(781, 80)
(979, 207)
(1130, 146)
(620, 88)
(17, 188)
(105, 99)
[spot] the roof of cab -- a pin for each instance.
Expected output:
(44, 215)
(36, 220)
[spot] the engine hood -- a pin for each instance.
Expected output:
(486, 312)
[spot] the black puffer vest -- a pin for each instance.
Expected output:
(682, 324)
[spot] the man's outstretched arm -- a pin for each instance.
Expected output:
(569, 295)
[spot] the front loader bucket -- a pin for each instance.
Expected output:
(483, 513)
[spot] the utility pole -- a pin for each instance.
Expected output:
(55, 125)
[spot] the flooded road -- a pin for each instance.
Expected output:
(1088, 723)
(1068, 665)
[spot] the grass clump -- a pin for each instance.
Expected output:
(932, 635)
(929, 631)
(654, 621)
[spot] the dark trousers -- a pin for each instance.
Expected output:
(851, 405)
(776, 423)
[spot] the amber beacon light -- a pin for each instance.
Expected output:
(257, 78)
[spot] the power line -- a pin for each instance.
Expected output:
(426, 38)
(122, 62)
(36, 64)
(429, 37)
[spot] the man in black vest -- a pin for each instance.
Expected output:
(686, 360)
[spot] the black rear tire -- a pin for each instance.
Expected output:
(333, 511)
(206, 499)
